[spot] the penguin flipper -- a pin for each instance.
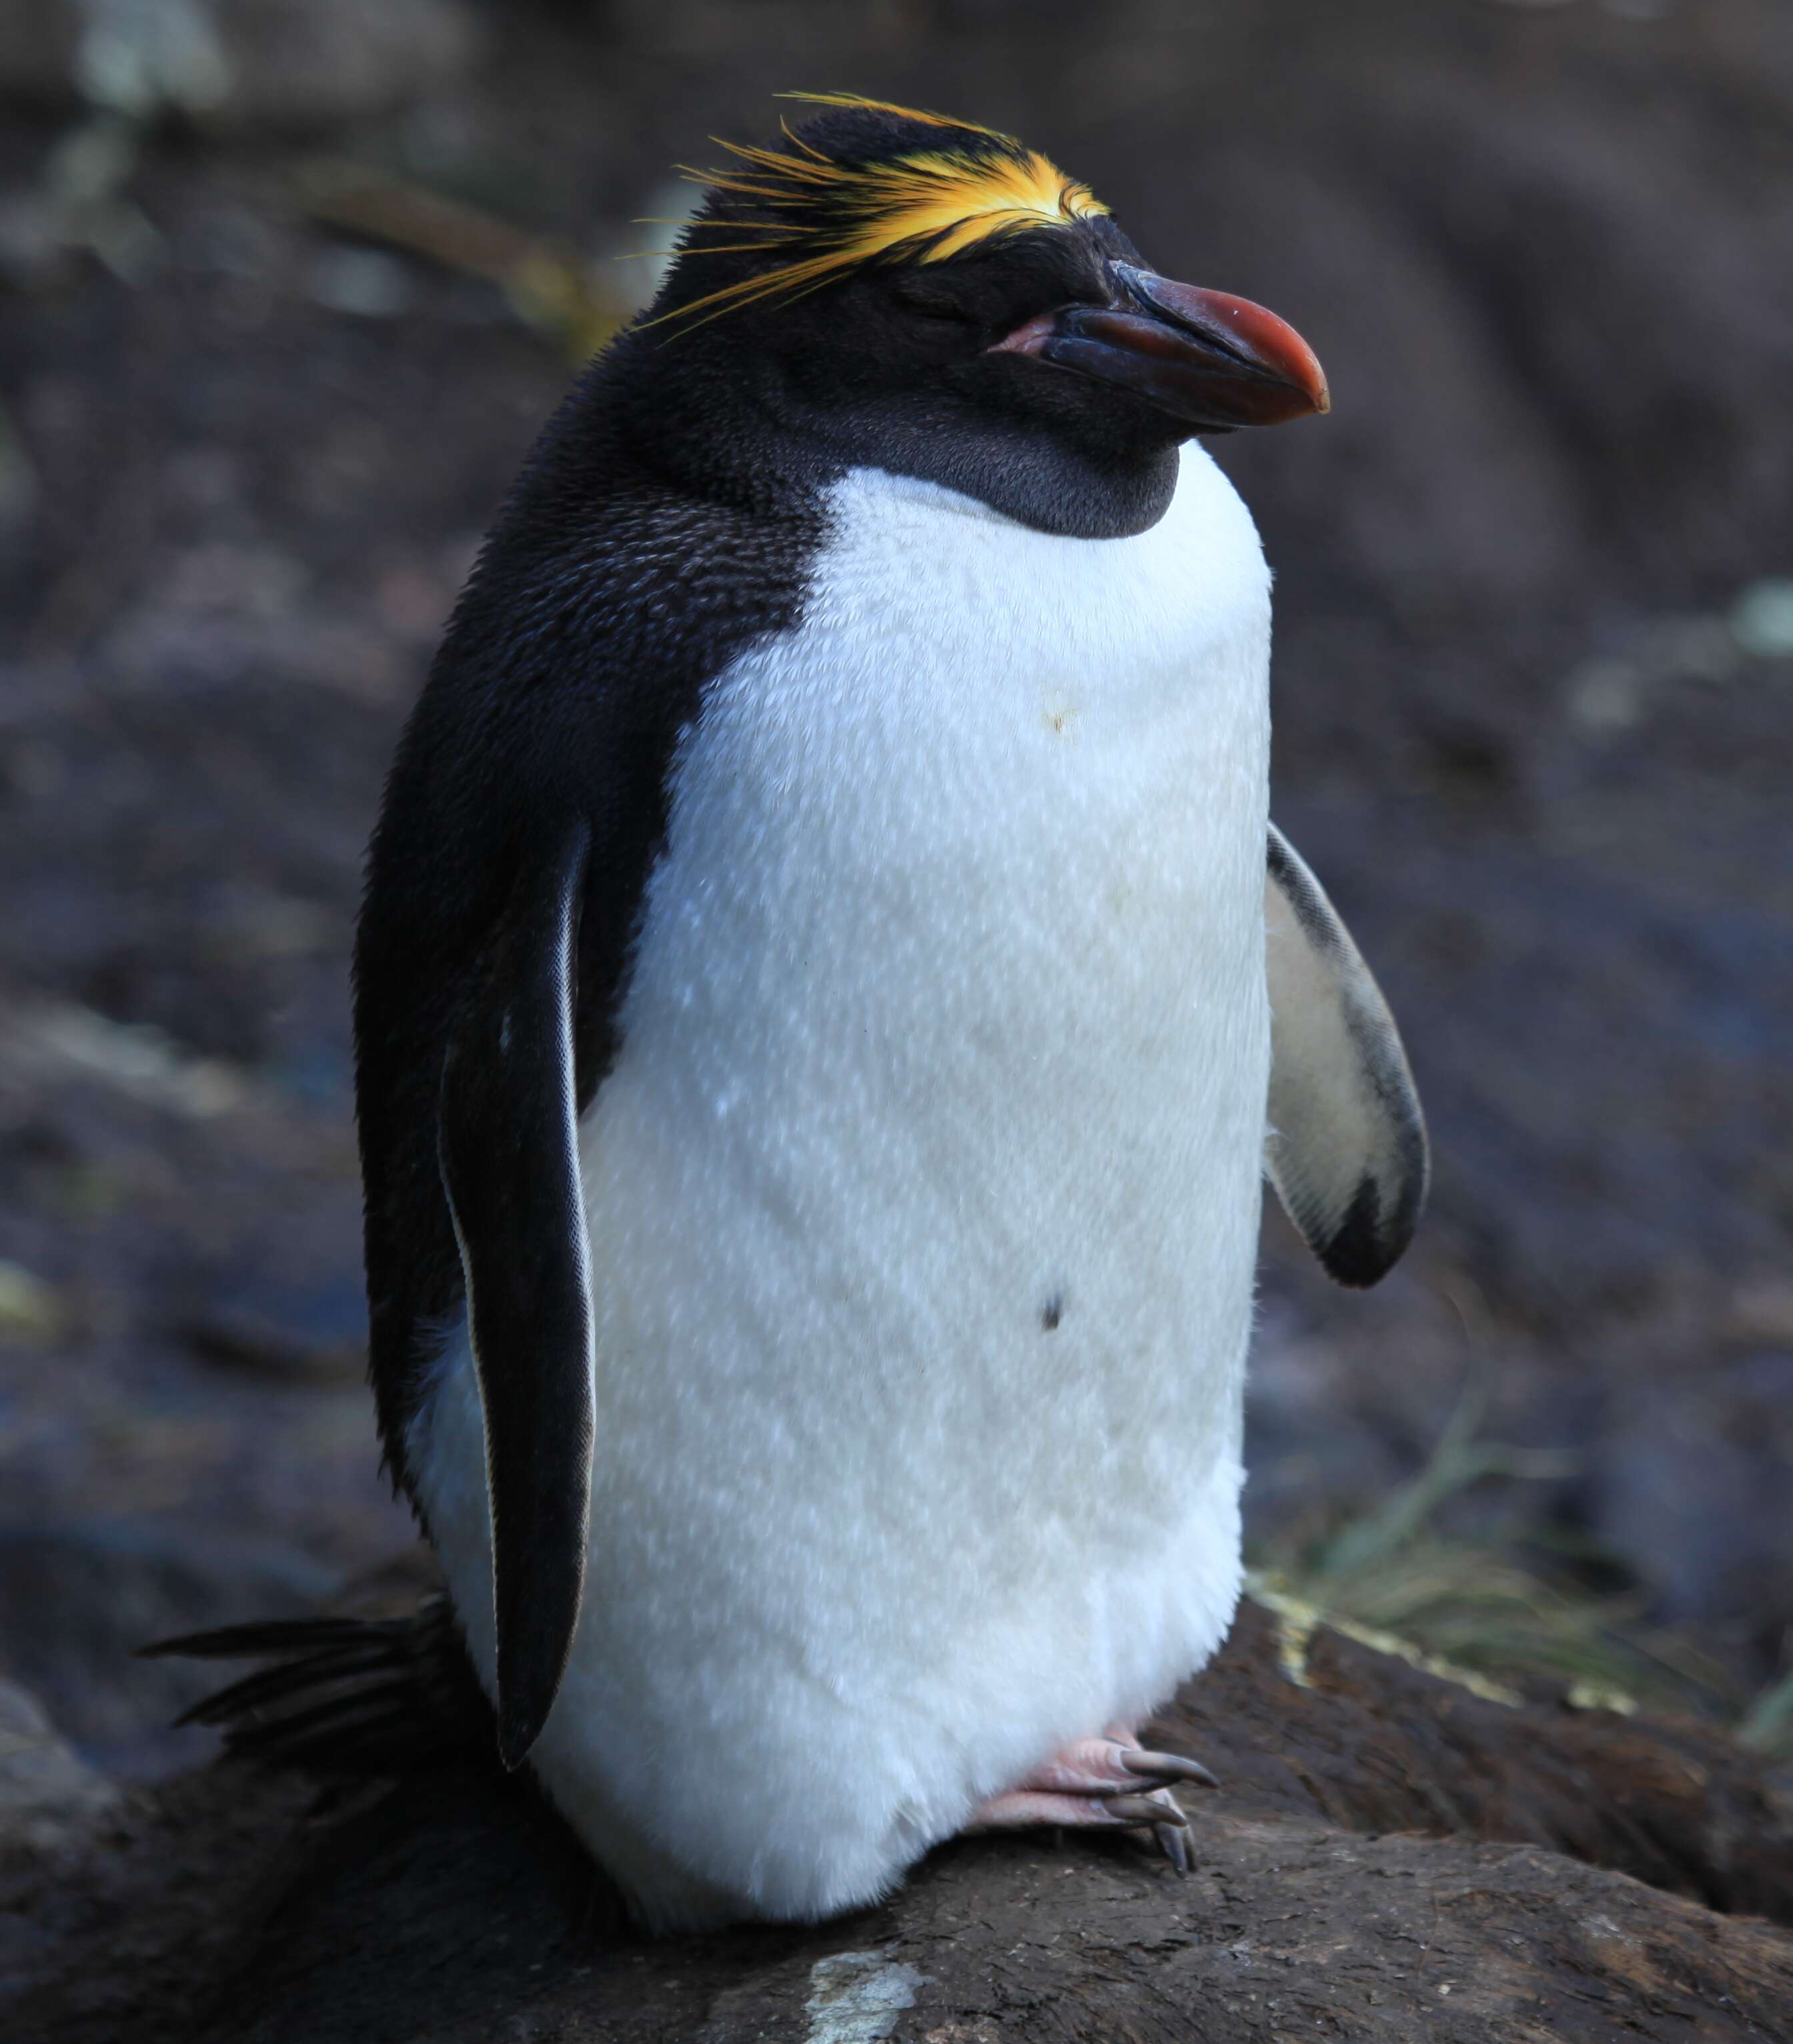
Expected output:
(507, 1149)
(1345, 1147)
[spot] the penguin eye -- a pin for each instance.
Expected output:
(931, 302)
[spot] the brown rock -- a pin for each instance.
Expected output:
(1392, 1858)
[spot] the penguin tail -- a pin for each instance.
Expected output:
(347, 1697)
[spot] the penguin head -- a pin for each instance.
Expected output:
(890, 289)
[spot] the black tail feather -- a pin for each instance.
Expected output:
(347, 1697)
(278, 1636)
(272, 1687)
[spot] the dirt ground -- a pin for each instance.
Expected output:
(1534, 731)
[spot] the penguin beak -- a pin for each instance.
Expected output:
(1211, 362)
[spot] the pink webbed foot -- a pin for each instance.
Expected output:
(1108, 1784)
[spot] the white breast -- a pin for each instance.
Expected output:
(923, 1202)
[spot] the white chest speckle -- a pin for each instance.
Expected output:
(922, 1201)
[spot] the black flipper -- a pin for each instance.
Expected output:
(507, 1147)
(1346, 1148)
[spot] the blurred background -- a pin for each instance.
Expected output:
(287, 287)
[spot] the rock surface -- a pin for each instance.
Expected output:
(1389, 1857)
(46, 1789)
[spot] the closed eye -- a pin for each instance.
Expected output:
(931, 303)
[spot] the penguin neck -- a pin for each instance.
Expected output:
(736, 438)
(1021, 473)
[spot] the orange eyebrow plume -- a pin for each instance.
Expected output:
(922, 205)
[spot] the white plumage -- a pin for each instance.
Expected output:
(923, 1203)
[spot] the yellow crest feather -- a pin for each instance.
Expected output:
(923, 206)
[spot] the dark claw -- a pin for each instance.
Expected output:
(1145, 1810)
(1173, 1842)
(1167, 1767)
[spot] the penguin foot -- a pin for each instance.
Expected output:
(1110, 1783)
